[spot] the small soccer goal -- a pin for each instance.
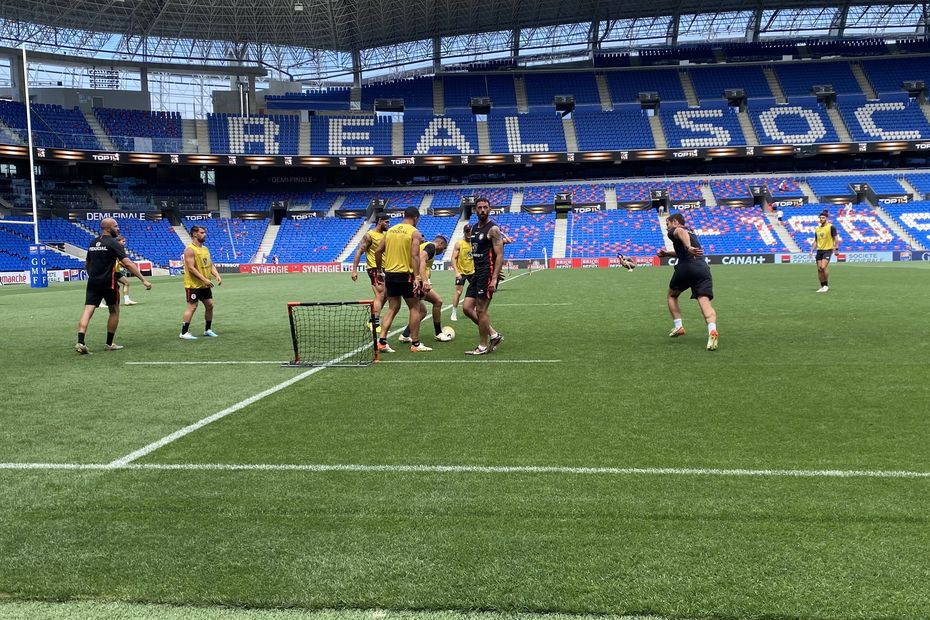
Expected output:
(332, 333)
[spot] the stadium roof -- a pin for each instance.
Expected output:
(347, 25)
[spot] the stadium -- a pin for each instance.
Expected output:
(588, 466)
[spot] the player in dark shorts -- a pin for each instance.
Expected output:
(102, 255)
(691, 272)
(487, 250)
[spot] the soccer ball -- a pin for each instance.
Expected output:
(448, 331)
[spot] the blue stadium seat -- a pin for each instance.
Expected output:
(707, 126)
(627, 127)
(862, 232)
(314, 240)
(607, 233)
(539, 131)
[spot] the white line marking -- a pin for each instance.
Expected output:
(478, 469)
(382, 361)
(133, 456)
(475, 361)
(524, 305)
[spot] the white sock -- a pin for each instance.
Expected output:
(711, 327)
(677, 323)
(494, 335)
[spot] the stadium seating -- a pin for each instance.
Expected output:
(260, 202)
(581, 194)
(57, 230)
(153, 240)
(639, 192)
(895, 117)
(733, 230)
(416, 92)
(232, 240)
(625, 128)
(914, 217)
(359, 201)
(321, 99)
(607, 233)
(779, 187)
(776, 49)
(15, 240)
(711, 125)
(711, 82)
(820, 48)
(455, 133)
(881, 184)
(888, 74)
(625, 86)
(53, 126)
(542, 88)
(803, 121)
(921, 182)
(824, 186)
(71, 195)
(130, 194)
(539, 131)
(531, 234)
(137, 130)
(452, 198)
(350, 135)
(862, 232)
(314, 240)
(459, 89)
(797, 78)
(254, 135)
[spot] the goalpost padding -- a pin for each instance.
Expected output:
(333, 333)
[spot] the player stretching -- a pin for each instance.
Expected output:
(102, 254)
(825, 241)
(464, 267)
(369, 244)
(487, 250)
(429, 250)
(198, 285)
(691, 271)
(399, 255)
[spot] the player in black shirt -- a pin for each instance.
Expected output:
(487, 250)
(691, 271)
(102, 256)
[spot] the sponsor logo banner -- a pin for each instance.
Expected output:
(98, 215)
(194, 217)
(14, 277)
(865, 257)
(264, 269)
(730, 259)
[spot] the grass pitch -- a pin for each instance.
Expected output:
(591, 466)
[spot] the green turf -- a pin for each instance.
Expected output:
(801, 381)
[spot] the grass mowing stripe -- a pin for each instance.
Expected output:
(145, 450)
(482, 361)
(478, 469)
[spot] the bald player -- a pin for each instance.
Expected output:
(102, 254)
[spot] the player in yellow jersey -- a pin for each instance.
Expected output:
(826, 241)
(464, 266)
(369, 244)
(198, 284)
(399, 255)
(429, 250)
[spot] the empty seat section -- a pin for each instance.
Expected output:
(350, 135)
(887, 75)
(416, 92)
(455, 133)
(862, 231)
(314, 240)
(542, 88)
(797, 79)
(539, 131)
(733, 230)
(532, 234)
(138, 130)
(711, 82)
(914, 217)
(779, 187)
(581, 194)
(15, 240)
(686, 127)
(617, 231)
(627, 127)
(254, 135)
(895, 117)
(459, 89)
(625, 86)
(232, 240)
(803, 121)
(153, 240)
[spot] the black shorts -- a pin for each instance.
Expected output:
(478, 287)
(698, 280)
(824, 255)
(198, 294)
(462, 279)
(375, 276)
(399, 284)
(96, 294)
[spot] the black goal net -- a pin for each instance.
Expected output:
(337, 333)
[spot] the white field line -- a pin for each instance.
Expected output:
(477, 469)
(155, 445)
(383, 361)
